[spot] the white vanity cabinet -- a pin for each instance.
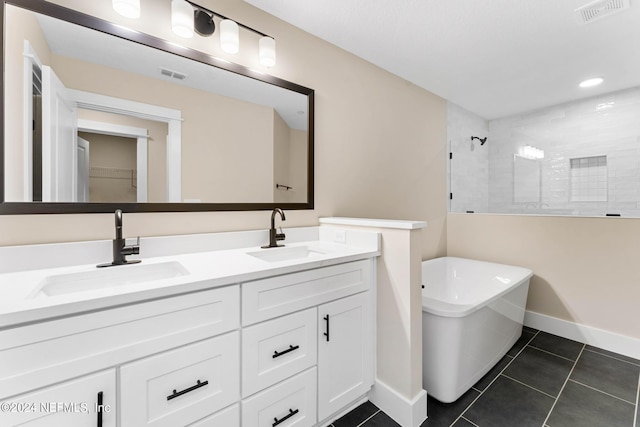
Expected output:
(345, 352)
(295, 371)
(157, 346)
(86, 401)
(255, 353)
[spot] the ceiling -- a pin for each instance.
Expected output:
(493, 57)
(74, 41)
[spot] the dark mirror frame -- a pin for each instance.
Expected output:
(75, 17)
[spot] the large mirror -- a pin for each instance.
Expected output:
(97, 117)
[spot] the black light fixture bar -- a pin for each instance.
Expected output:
(197, 6)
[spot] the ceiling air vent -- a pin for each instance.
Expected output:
(174, 74)
(600, 9)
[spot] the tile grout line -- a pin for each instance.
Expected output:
(603, 392)
(371, 416)
(527, 385)
(494, 380)
(470, 422)
(564, 385)
(611, 357)
(553, 354)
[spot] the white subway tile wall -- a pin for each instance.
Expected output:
(469, 169)
(606, 127)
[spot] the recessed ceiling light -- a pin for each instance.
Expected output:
(595, 81)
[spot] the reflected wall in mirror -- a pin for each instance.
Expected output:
(94, 120)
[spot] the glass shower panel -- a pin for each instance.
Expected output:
(579, 158)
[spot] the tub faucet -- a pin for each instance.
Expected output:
(274, 236)
(120, 248)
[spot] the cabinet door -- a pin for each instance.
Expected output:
(345, 352)
(86, 401)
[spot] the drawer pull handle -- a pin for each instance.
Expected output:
(290, 349)
(100, 401)
(285, 418)
(187, 390)
(326, 334)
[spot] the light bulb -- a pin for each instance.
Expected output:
(267, 47)
(127, 8)
(592, 82)
(229, 36)
(182, 18)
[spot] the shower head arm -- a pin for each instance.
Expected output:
(482, 140)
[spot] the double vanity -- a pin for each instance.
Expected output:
(209, 330)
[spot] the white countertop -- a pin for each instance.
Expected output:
(21, 303)
(375, 223)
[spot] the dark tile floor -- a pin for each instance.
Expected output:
(543, 381)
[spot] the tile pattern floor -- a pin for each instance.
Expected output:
(543, 381)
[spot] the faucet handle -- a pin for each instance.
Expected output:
(135, 249)
(280, 235)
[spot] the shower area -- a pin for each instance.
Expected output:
(580, 158)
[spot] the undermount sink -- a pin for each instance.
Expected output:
(101, 278)
(286, 253)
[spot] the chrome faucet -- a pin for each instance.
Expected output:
(274, 236)
(120, 248)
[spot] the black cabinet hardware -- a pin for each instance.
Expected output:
(100, 409)
(290, 349)
(326, 334)
(187, 390)
(285, 418)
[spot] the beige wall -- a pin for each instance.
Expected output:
(281, 158)
(586, 270)
(298, 165)
(223, 159)
(380, 141)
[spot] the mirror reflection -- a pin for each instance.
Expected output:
(93, 118)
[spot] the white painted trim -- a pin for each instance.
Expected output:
(30, 58)
(377, 223)
(110, 129)
(600, 338)
(109, 104)
(174, 162)
(407, 413)
(173, 118)
(141, 137)
(142, 180)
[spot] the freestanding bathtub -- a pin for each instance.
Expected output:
(472, 314)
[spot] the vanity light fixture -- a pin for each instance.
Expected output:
(531, 152)
(267, 51)
(229, 36)
(127, 8)
(182, 18)
(594, 81)
(188, 17)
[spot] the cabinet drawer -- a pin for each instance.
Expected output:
(229, 417)
(37, 355)
(181, 386)
(277, 349)
(72, 403)
(288, 404)
(276, 296)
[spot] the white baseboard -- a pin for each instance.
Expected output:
(606, 340)
(407, 413)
